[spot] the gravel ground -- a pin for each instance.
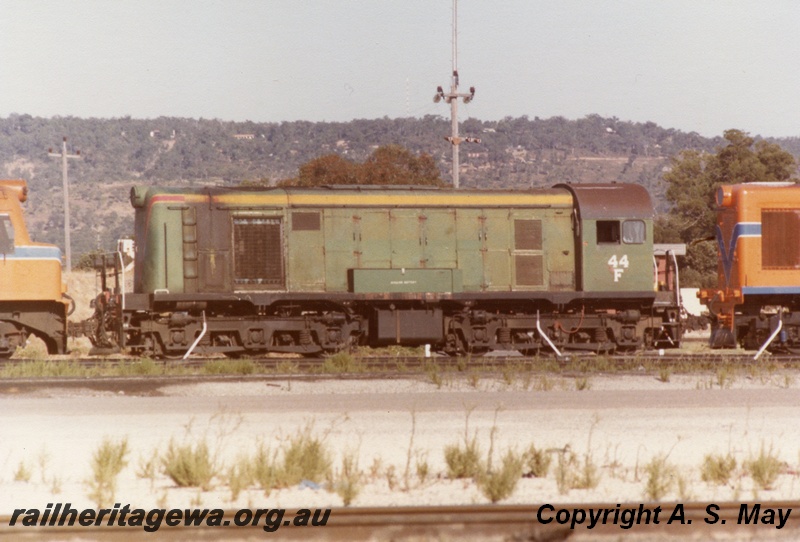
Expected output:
(397, 428)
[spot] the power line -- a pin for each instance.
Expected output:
(64, 156)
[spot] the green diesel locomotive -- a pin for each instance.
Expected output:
(312, 271)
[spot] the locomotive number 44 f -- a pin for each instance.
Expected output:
(312, 271)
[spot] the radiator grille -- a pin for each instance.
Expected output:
(258, 252)
(780, 238)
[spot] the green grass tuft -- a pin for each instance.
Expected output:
(764, 468)
(107, 462)
(718, 469)
(189, 466)
(497, 485)
(463, 461)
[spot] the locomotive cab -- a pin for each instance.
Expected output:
(757, 298)
(614, 237)
(32, 295)
(613, 226)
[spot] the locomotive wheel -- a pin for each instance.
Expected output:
(244, 354)
(171, 357)
(234, 355)
(478, 352)
(153, 349)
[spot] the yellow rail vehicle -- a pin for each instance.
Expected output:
(33, 297)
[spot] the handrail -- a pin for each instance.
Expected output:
(545, 337)
(770, 339)
(122, 270)
(199, 337)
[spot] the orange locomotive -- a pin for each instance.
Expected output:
(757, 301)
(33, 298)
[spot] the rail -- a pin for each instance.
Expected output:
(667, 520)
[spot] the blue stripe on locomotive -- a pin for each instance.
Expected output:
(34, 253)
(741, 229)
(770, 290)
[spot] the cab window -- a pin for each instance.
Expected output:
(612, 232)
(633, 232)
(607, 232)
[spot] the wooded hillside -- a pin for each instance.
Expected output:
(118, 153)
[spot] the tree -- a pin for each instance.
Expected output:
(393, 164)
(387, 165)
(693, 180)
(329, 169)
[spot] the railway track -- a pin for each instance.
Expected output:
(542, 522)
(413, 363)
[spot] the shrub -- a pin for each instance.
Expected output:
(499, 484)
(572, 473)
(107, 462)
(240, 476)
(463, 461)
(189, 466)
(536, 462)
(23, 473)
(764, 469)
(305, 457)
(265, 469)
(718, 469)
(347, 479)
(660, 478)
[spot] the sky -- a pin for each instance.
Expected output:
(694, 65)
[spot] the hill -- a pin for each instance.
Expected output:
(118, 153)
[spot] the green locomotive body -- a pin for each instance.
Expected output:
(249, 271)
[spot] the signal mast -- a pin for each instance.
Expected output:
(452, 98)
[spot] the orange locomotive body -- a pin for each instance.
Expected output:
(33, 297)
(758, 295)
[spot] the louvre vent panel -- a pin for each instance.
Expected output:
(528, 235)
(258, 251)
(529, 270)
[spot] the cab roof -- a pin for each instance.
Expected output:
(607, 201)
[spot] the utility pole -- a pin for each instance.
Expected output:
(64, 156)
(452, 98)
